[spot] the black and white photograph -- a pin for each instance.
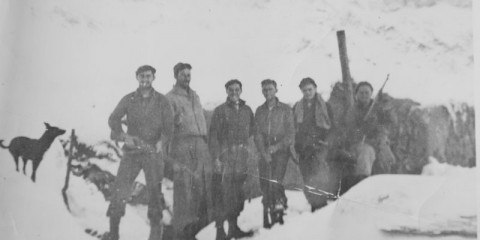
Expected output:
(241, 119)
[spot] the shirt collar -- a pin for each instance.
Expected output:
(231, 103)
(277, 102)
(364, 107)
(181, 91)
(138, 92)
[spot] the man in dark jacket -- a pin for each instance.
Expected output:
(150, 122)
(231, 127)
(273, 137)
(312, 123)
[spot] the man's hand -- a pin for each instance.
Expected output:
(272, 149)
(129, 141)
(294, 154)
(178, 118)
(267, 157)
(159, 149)
(217, 166)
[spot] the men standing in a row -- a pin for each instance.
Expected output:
(193, 168)
(312, 122)
(273, 136)
(150, 124)
(230, 130)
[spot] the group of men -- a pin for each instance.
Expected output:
(210, 165)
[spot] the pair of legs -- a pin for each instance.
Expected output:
(130, 167)
(229, 193)
(192, 194)
(316, 175)
(229, 203)
(271, 178)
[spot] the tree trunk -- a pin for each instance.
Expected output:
(69, 163)
(346, 78)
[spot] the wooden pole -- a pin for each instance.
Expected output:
(73, 142)
(346, 78)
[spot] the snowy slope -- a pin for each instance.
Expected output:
(34, 211)
(380, 207)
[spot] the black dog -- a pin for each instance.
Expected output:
(32, 149)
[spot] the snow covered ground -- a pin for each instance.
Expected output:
(441, 205)
(35, 210)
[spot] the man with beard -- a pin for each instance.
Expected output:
(150, 122)
(312, 123)
(193, 167)
(231, 127)
(273, 137)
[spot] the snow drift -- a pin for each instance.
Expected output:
(381, 207)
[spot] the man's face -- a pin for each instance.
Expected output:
(309, 91)
(183, 78)
(233, 92)
(145, 79)
(364, 94)
(269, 91)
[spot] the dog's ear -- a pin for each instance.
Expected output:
(47, 125)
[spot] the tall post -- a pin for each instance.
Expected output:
(346, 78)
(69, 164)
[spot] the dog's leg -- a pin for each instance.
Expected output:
(25, 161)
(35, 164)
(15, 158)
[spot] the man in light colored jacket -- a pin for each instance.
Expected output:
(193, 166)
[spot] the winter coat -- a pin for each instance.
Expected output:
(230, 126)
(376, 124)
(188, 112)
(274, 127)
(147, 118)
(322, 117)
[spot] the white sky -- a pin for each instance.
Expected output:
(69, 62)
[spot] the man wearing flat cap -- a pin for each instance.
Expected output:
(193, 167)
(149, 119)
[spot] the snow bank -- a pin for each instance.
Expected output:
(33, 211)
(435, 168)
(380, 207)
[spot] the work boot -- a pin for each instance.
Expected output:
(276, 213)
(266, 221)
(221, 233)
(235, 232)
(114, 229)
(156, 230)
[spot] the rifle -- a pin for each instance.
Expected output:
(375, 99)
(144, 147)
(380, 91)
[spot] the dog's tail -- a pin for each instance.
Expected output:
(3, 146)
